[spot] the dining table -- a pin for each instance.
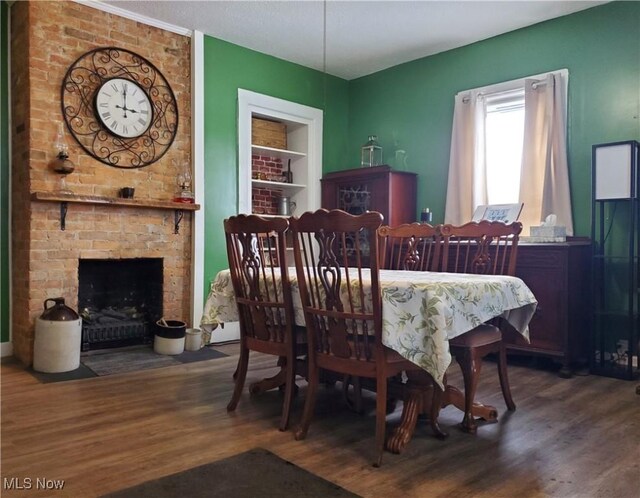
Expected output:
(421, 312)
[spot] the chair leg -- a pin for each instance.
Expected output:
(309, 404)
(504, 378)
(471, 366)
(381, 417)
(240, 376)
(289, 391)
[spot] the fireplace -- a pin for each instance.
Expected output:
(119, 301)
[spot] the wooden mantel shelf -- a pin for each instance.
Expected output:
(64, 199)
(113, 201)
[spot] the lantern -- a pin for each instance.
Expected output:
(371, 152)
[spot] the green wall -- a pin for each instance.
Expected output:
(4, 175)
(227, 68)
(410, 106)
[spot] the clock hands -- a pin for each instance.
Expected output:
(124, 100)
(124, 103)
(125, 109)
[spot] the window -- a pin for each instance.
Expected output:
(508, 146)
(504, 128)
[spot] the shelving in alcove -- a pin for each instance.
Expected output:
(303, 153)
(272, 165)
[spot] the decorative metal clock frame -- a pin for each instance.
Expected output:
(79, 89)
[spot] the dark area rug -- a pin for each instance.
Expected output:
(81, 372)
(129, 360)
(108, 362)
(255, 473)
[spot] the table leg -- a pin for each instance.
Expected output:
(453, 396)
(280, 379)
(420, 396)
(269, 383)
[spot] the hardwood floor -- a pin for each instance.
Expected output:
(576, 437)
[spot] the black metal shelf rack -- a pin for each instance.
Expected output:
(615, 231)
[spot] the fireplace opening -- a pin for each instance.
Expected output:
(119, 301)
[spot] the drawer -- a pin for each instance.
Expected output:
(533, 257)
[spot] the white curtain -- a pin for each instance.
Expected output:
(544, 182)
(467, 185)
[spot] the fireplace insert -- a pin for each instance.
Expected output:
(119, 301)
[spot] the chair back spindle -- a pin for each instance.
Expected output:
(411, 246)
(484, 247)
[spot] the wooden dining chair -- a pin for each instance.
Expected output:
(488, 248)
(337, 266)
(411, 246)
(256, 248)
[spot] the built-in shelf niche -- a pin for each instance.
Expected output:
(304, 150)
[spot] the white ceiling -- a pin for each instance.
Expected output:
(362, 37)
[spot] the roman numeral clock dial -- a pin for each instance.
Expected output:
(123, 107)
(119, 107)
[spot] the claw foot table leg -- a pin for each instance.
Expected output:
(402, 434)
(420, 397)
(453, 396)
(269, 383)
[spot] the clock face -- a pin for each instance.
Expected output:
(123, 107)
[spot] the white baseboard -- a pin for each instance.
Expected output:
(6, 349)
(230, 332)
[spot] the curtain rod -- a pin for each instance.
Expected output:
(534, 85)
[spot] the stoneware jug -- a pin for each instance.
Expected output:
(56, 347)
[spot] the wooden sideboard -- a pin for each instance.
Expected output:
(380, 188)
(558, 274)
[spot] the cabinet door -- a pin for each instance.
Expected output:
(544, 268)
(547, 329)
(356, 196)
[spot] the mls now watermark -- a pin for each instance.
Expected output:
(29, 483)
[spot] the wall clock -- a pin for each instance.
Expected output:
(119, 107)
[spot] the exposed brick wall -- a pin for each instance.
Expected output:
(265, 200)
(47, 37)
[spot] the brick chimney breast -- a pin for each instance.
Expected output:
(47, 37)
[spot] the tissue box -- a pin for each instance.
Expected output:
(549, 233)
(552, 231)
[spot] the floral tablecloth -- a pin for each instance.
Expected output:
(421, 311)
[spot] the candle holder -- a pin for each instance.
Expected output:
(185, 181)
(62, 165)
